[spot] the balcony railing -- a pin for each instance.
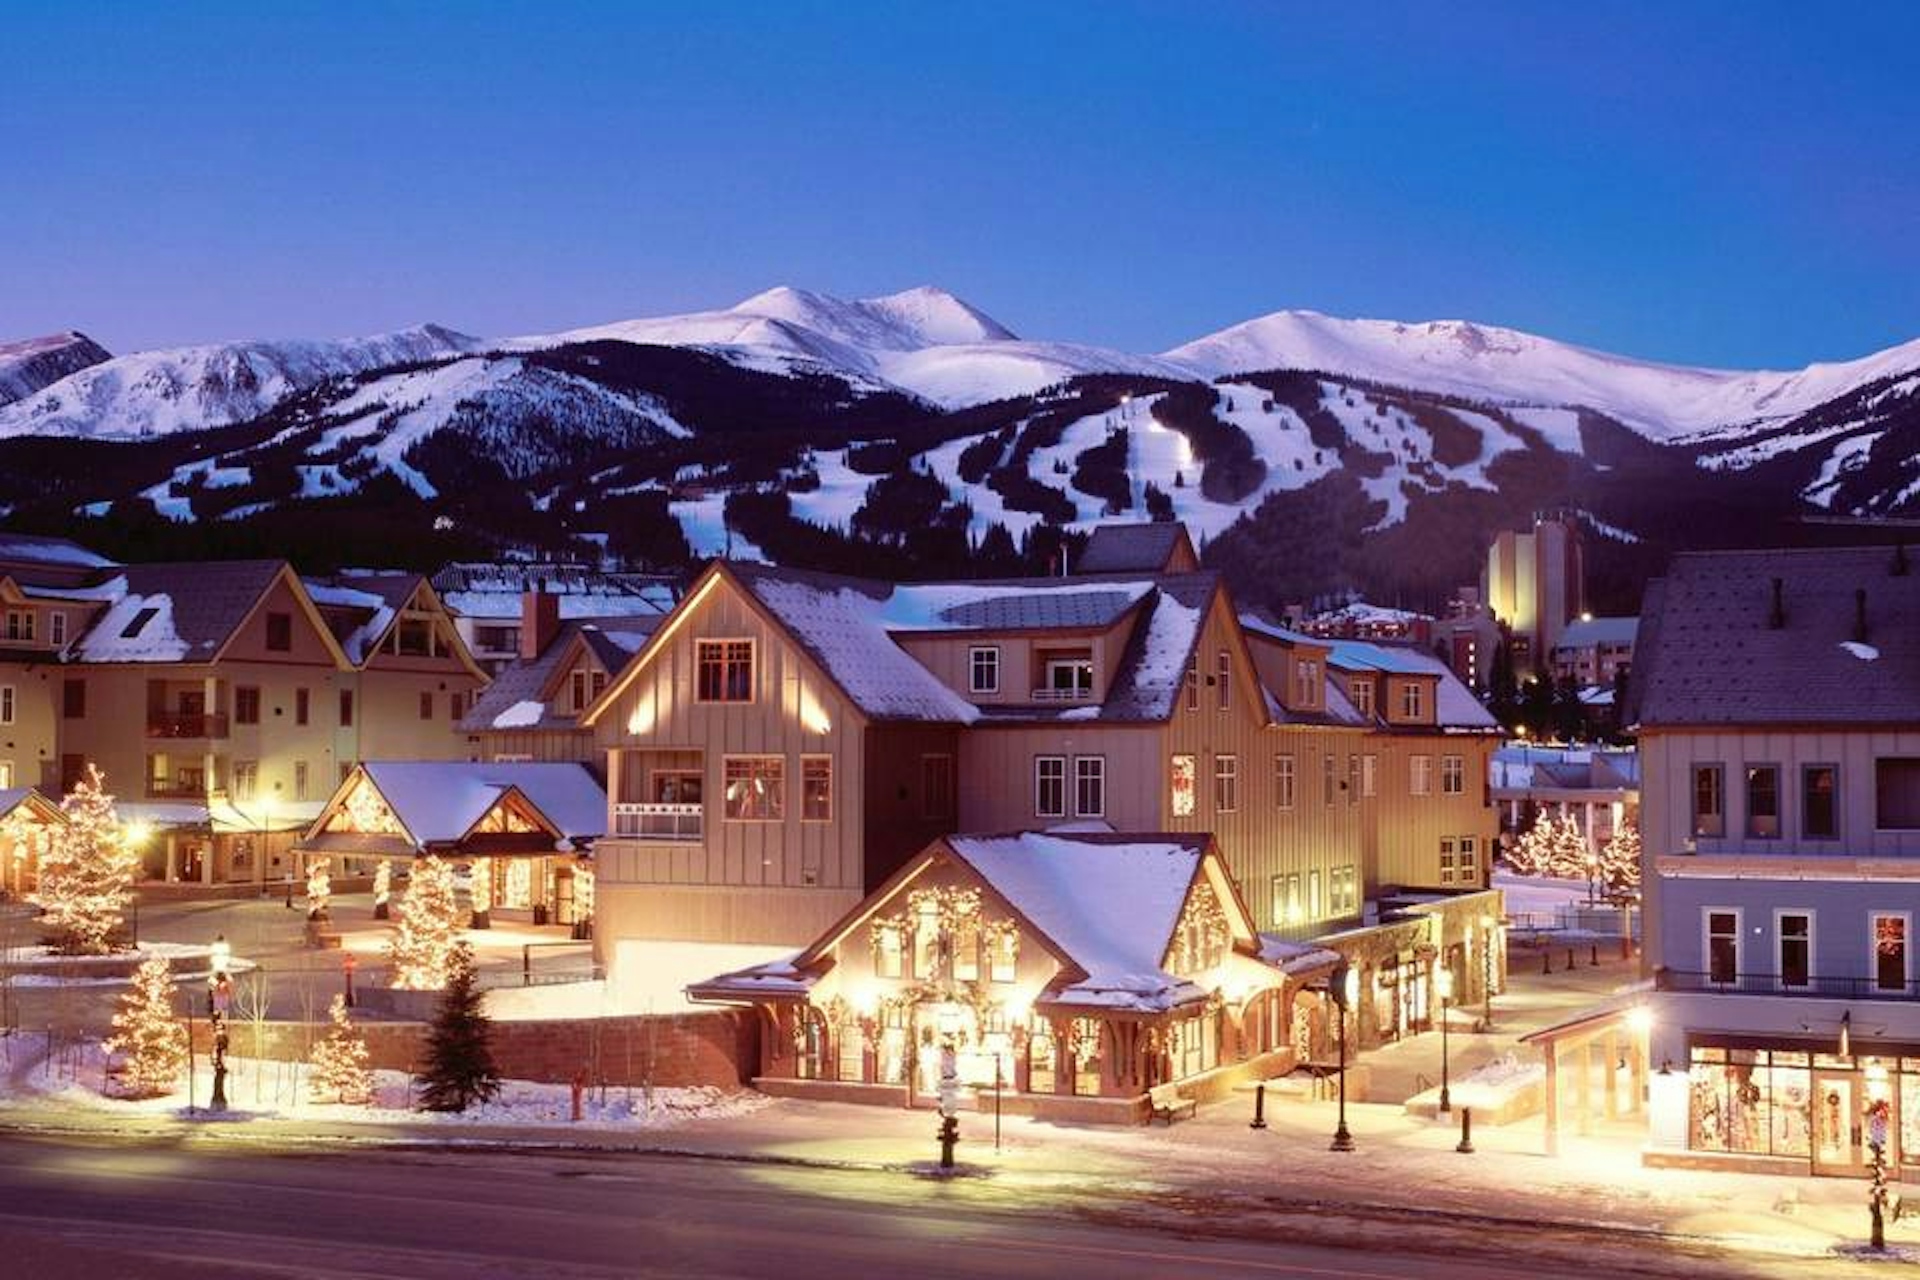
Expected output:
(1063, 695)
(185, 724)
(1770, 984)
(657, 821)
(176, 789)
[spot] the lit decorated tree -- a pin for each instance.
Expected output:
(340, 1072)
(87, 871)
(1620, 860)
(459, 1068)
(382, 889)
(1569, 856)
(422, 947)
(1532, 853)
(480, 891)
(583, 897)
(146, 1032)
(319, 889)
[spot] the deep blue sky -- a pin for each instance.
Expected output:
(1735, 184)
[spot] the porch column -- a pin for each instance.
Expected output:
(173, 859)
(1613, 1077)
(1583, 1088)
(212, 853)
(1553, 1097)
(614, 793)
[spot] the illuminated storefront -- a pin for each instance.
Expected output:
(1802, 1102)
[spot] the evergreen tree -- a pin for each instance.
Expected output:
(423, 946)
(340, 1071)
(146, 1031)
(382, 888)
(1620, 860)
(319, 889)
(1532, 853)
(86, 874)
(460, 1070)
(1571, 857)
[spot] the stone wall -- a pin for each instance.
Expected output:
(718, 1048)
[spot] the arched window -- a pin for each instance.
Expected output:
(1041, 1057)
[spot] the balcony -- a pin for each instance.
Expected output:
(1070, 694)
(185, 725)
(681, 822)
(1769, 984)
(176, 789)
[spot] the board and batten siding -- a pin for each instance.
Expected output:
(1405, 829)
(949, 658)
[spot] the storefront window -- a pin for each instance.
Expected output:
(853, 1053)
(1086, 1057)
(1040, 1058)
(1749, 1102)
(892, 1058)
(1909, 1107)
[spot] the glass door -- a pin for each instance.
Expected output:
(1838, 1142)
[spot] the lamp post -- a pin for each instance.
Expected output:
(1443, 984)
(1345, 989)
(219, 1000)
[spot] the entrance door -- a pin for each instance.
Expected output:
(1838, 1141)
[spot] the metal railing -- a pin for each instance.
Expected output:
(658, 821)
(186, 724)
(1063, 695)
(1772, 984)
(176, 789)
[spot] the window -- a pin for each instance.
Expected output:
(1226, 783)
(302, 705)
(6, 774)
(1050, 786)
(299, 779)
(1353, 779)
(983, 669)
(889, 953)
(1469, 860)
(1369, 769)
(1360, 692)
(1183, 781)
(1793, 931)
(246, 779)
(1285, 901)
(577, 689)
(1068, 679)
(1723, 945)
(57, 628)
(1896, 793)
(1003, 956)
(1327, 780)
(1453, 776)
(725, 670)
(596, 684)
(1709, 801)
(279, 632)
(346, 708)
(1890, 942)
(1420, 775)
(928, 940)
(966, 949)
(1223, 679)
(6, 704)
(755, 788)
(1306, 683)
(456, 705)
(1285, 784)
(936, 786)
(1193, 685)
(1446, 859)
(816, 788)
(246, 704)
(426, 706)
(19, 625)
(1343, 891)
(1089, 786)
(1763, 801)
(73, 699)
(1819, 808)
(1314, 905)
(1413, 701)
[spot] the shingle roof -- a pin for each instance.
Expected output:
(1131, 548)
(1584, 633)
(1707, 654)
(33, 548)
(174, 612)
(522, 683)
(439, 801)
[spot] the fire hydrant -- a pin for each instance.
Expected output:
(579, 1092)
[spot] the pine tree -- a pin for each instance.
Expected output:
(429, 916)
(319, 889)
(340, 1071)
(382, 888)
(1532, 853)
(1571, 857)
(1620, 860)
(460, 1070)
(86, 874)
(146, 1031)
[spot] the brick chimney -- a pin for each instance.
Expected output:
(539, 621)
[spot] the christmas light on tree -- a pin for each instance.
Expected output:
(1532, 853)
(86, 872)
(340, 1072)
(1620, 860)
(319, 889)
(422, 948)
(1571, 857)
(382, 888)
(146, 1031)
(480, 890)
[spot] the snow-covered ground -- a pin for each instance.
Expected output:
(40, 966)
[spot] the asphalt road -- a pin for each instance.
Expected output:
(161, 1209)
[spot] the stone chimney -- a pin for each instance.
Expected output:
(539, 622)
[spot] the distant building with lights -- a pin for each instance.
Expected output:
(1535, 583)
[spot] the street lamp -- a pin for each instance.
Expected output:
(219, 1000)
(1443, 984)
(1345, 989)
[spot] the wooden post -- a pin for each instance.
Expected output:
(1553, 1098)
(1583, 1087)
(1612, 1078)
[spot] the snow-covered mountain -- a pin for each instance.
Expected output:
(1484, 362)
(27, 366)
(193, 388)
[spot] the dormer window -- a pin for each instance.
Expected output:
(1306, 683)
(725, 670)
(1361, 691)
(1413, 701)
(20, 624)
(57, 628)
(983, 669)
(1066, 677)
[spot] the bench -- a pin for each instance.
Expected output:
(1165, 1100)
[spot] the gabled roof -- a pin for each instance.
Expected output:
(363, 611)
(183, 612)
(439, 802)
(519, 696)
(32, 801)
(1455, 706)
(1136, 548)
(1707, 653)
(1586, 633)
(482, 590)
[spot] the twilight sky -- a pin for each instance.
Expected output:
(1704, 183)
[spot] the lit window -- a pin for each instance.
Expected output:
(725, 670)
(816, 788)
(1183, 778)
(755, 788)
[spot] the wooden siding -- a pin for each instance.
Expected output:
(1404, 830)
(1022, 668)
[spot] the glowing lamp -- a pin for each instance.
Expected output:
(1443, 984)
(222, 954)
(138, 833)
(1640, 1019)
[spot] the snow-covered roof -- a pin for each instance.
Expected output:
(1295, 957)
(32, 548)
(1361, 655)
(1134, 548)
(517, 697)
(182, 612)
(12, 798)
(494, 591)
(1587, 633)
(372, 614)
(439, 801)
(1110, 903)
(1361, 613)
(1455, 706)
